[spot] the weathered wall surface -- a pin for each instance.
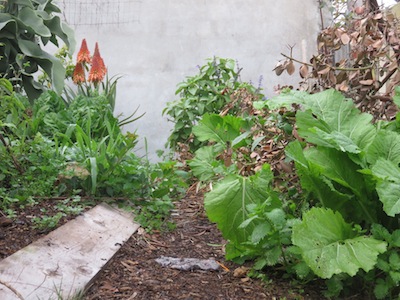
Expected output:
(154, 45)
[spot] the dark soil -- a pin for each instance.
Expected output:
(133, 273)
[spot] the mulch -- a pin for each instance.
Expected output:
(133, 273)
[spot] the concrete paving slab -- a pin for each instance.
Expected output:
(66, 260)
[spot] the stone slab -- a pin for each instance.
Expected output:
(66, 260)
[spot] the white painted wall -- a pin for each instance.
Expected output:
(156, 44)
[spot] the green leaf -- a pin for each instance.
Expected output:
(383, 265)
(50, 64)
(227, 203)
(333, 121)
(330, 246)
(302, 269)
(219, 129)
(396, 98)
(381, 289)
(388, 174)
(260, 232)
(380, 232)
(385, 145)
(337, 167)
(256, 142)
(396, 238)
(395, 276)
(33, 22)
(287, 99)
(7, 25)
(240, 139)
(93, 174)
(394, 260)
(259, 105)
(62, 30)
(333, 178)
(204, 163)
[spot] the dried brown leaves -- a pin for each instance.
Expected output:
(360, 59)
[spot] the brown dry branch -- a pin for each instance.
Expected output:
(360, 58)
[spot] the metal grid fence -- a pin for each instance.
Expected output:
(99, 12)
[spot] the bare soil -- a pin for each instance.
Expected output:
(133, 273)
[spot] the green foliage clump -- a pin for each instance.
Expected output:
(23, 23)
(340, 222)
(49, 149)
(207, 92)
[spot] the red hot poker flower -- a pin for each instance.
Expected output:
(98, 69)
(79, 74)
(83, 54)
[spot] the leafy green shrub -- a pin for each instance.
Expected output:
(349, 173)
(53, 115)
(29, 165)
(23, 22)
(49, 148)
(207, 92)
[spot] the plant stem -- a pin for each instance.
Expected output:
(333, 68)
(7, 146)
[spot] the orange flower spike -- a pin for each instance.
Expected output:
(83, 54)
(78, 76)
(98, 69)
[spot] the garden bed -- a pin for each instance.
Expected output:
(134, 273)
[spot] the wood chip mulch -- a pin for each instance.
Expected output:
(134, 274)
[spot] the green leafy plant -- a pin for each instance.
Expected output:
(51, 149)
(351, 170)
(210, 91)
(342, 227)
(22, 23)
(47, 222)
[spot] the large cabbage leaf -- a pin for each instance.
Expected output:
(227, 204)
(330, 246)
(332, 121)
(388, 177)
(218, 129)
(333, 178)
(385, 145)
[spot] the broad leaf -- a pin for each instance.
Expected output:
(219, 129)
(385, 145)
(333, 121)
(330, 246)
(388, 174)
(286, 99)
(204, 164)
(33, 22)
(227, 203)
(333, 178)
(50, 64)
(337, 167)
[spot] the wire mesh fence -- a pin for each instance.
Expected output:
(99, 12)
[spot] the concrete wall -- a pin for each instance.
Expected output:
(154, 45)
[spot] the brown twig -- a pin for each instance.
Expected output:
(333, 68)
(12, 289)
(7, 146)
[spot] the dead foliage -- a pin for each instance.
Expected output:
(359, 57)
